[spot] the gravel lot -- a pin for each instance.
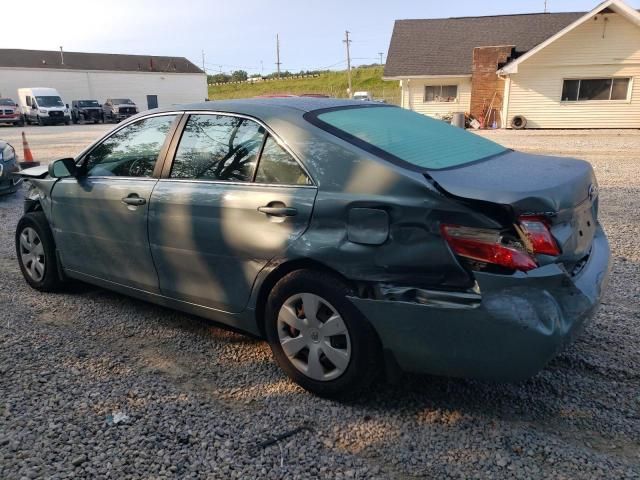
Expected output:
(200, 399)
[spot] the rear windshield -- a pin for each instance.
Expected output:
(399, 134)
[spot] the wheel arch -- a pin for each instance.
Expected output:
(278, 273)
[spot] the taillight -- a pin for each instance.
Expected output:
(536, 230)
(486, 246)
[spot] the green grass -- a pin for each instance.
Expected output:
(330, 83)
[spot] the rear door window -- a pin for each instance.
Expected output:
(278, 167)
(218, 147)
(402, 136)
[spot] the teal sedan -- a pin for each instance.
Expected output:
(360, 239)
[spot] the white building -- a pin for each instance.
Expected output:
(549, 70)
(147, 80)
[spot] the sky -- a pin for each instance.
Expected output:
(239, 34)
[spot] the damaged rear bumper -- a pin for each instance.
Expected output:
(519, 323)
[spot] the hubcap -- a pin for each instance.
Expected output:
(314, 336)
(32, 254)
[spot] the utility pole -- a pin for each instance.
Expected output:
(61, 56)
(380, 53)
(545, 6)
(347, 42)
(278, 63)
(203, 69)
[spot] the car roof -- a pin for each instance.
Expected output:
(262, 106)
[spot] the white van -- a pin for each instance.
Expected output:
(42, 106)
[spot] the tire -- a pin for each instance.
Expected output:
(44, 278)
(66, 122)
(518, 122)
(359, 344)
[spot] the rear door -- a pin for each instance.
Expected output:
(212, 228)
(100, 219)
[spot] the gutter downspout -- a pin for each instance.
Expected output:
(505, 102)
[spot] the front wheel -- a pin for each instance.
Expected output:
(319, 338)
(36, 252)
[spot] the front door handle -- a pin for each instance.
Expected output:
(282, 211)
(134, 200)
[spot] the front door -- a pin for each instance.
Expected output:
(100, 219)
(224, 210)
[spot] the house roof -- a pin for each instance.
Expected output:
(608, 6)
(95, 61)
(445, 46)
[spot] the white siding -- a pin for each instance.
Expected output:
(171, 88)
(414, 96)
(594, 49)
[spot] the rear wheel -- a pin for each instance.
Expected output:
(36, 252)
(318, 337)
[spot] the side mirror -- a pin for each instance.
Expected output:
(34, 106)
(63, 168)
(67, 105)
(17, 105)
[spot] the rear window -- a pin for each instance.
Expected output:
(398, 134)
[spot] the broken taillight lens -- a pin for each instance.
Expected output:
(484, 245)
(536, 229)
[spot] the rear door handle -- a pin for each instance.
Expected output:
(278, 211)
(134, 199)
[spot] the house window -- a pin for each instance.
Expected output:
(441, 93)
(595, 89)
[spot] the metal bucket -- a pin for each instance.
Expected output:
(458, 120)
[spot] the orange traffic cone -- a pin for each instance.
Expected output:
(28, 156)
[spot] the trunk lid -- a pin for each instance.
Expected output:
(564, 190)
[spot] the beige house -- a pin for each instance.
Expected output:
(551, 70)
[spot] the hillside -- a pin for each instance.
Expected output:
(330, 83)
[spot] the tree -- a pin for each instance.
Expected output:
(218, 78)
(239, 76)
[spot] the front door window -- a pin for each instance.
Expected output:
(131, 151)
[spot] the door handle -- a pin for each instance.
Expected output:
(278, 211)
(134, 200)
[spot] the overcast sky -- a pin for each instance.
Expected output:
(238, 33)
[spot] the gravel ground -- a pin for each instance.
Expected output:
(199, 400)
(55, 141)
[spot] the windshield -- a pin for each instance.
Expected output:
(122, 101)
(88, 103)
(49, 102)
(7, 101)
(399, 134)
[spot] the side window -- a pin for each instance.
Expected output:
(131, 151)
(277, 166)
(218, 147)
(28, 100)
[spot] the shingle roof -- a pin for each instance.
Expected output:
(95, 61)
(445, 46)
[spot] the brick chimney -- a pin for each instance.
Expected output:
(485, 82)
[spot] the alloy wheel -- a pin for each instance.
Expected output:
(314, 337)
(32, 254)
